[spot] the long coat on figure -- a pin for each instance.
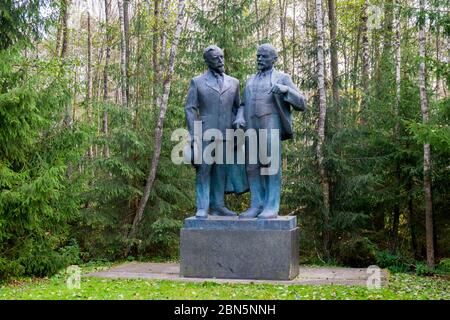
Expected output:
(215, 102)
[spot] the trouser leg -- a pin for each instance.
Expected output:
(202, 186)
(256, 186)
(272, 180)
(273, 193)
(253, 174)
(217, 189)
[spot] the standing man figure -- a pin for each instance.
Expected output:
(213, 101)
(268, 97)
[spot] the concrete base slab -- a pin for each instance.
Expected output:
(235, 248)
(307, 275)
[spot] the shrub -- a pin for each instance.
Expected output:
(444, 266)
(423, 270)
(394, 262)
(357, 252)
(38, 191)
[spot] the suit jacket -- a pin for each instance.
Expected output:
(207, 103)
(282, 103)
(216, 109)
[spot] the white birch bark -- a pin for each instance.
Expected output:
(89, 78)
(160, 124)
(105, 77)
(123, 54)
(426, 146)
(321, 121)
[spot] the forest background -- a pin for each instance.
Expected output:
(90, 92)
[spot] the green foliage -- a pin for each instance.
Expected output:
(399, 263)
(38, 199)
(394, 262)
(19, 21)
(444, 266)
(423, 270)
(357, 252)
(58, 205)
(229, 25)
(399, 287)
(437, 135)
(114, 193)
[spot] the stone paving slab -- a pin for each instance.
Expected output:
(307, 275)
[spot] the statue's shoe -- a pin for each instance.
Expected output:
(268, 214)
(222, 211)
(251, 213)
(201, 214)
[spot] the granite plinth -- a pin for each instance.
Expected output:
(233, 248)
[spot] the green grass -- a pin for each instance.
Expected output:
(401, 286)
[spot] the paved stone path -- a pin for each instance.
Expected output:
(307, 275)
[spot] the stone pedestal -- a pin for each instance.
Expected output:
(233, 248)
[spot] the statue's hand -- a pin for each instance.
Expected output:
(239, 123)
(279, 88)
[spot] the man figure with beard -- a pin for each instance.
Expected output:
(213, 100)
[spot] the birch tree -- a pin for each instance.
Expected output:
(105, 76)
(365, 48)
(333, 50)
(282, 15)
(65, 27)
(397, 50)
(160, 123)
(123, 55)
(89, 77)
(426, 145)
(321, 123)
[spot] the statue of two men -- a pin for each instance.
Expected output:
(214, 101)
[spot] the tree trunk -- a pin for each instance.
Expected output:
(365, 49)
(356, 59)
(321, 125)
(89, 79)
(267, 26)
(165, 20)
(126, 24)
(426, 146)
(412, 221)
(282, 14)
(163, 58)
(293, 37)
(137, 65)
(155, 53)
(333, 51)
(65, 44)
(65, 28)
(60, 29)
(396, 214)
(388, 26)
(258, 38)
(159, 126)
(398, 83)
(105, 78)
(123, 54)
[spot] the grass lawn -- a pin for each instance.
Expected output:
(401, 286)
